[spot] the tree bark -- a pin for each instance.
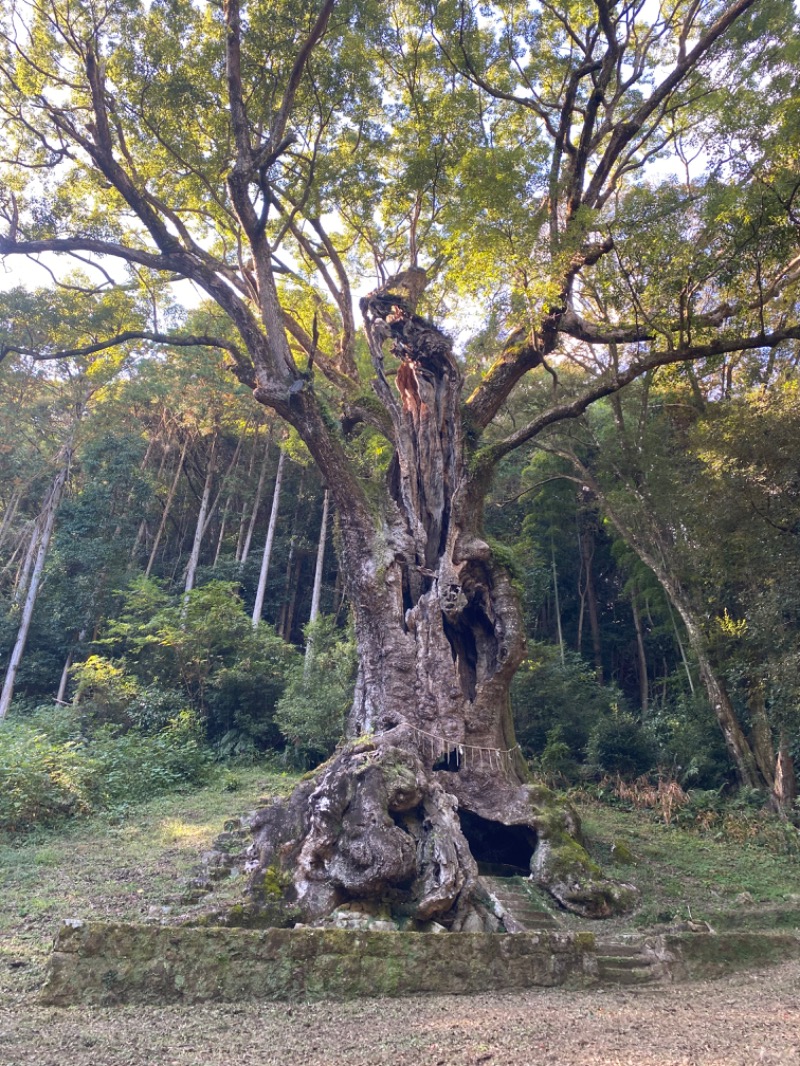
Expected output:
(167, 508)
(784, 790)
(644, 688)
(290, 591)
(316, 592)
(586, 535)
(430, 781)
(242, 558)
(202, 520)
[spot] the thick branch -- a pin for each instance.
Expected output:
(625, 131)
(179, 340)
(575, 408)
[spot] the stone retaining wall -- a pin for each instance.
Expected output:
(106, 963)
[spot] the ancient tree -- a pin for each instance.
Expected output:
(273, 158)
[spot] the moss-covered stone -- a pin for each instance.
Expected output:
(109, 963)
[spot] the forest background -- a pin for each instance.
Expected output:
(164, 540)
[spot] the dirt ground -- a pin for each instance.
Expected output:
(747, 1019)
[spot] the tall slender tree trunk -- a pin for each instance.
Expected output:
(167, 508)
(316, 592)
(290, 592)
(557, 603)
(245, 506)
(202, 520)
(24, 573)
(644, 687)
(320, 563)
(49, 517)
(267, 553)
(262, 476)
(587, 544)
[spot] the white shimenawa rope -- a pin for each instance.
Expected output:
(492, 758)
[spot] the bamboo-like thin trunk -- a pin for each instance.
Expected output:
(62, 685)
(202, 521)
(290, 594)
(557, 603)
(681, 648)
(222, 525)
(644, 688)
(323, 534)
(587, 558)
(256, 502)
(244, 510)
(50, 511)
(316, 594)
(24, 573)
(267, 553)
(167, 507)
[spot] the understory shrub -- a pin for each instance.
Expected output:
(312, 711)
(566, 720)
(162, 654)
(47, 777)
(619, 745)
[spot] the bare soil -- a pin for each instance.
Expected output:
(747, 1019)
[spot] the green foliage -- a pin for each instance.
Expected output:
(46, 777)
(690, 741)
(549, 696)
(202, 647)
(619, 745)
(319, 693)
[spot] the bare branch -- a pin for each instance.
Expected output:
(575, 408)
(179, 340)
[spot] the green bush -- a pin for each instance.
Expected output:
(42, 780)
(691, 742)
(619, 745)
(201, 651)
(45, 778)
(547, 694)
(312, 711)
(133, 766)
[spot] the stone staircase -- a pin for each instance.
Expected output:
(627, 964)
(522, 909)
(518, 903)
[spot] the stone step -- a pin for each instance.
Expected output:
(620, 950)
(623, 962)
(517, 899)
(628, 975)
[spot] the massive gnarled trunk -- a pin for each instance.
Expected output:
(431, 782)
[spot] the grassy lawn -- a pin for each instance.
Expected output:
(685, 875)
(107, 867)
